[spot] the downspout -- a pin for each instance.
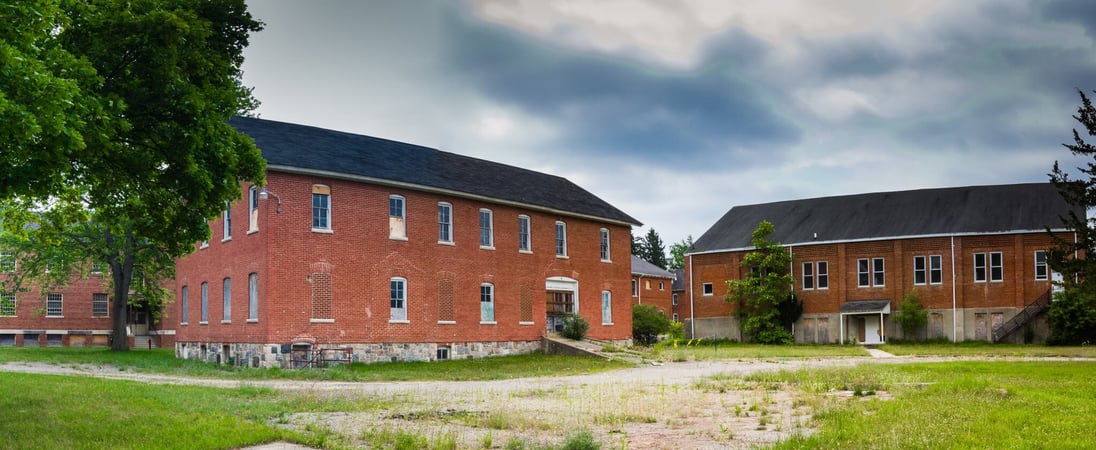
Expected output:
(639, 289)
(692, 315)
(954, 319)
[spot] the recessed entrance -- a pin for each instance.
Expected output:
(562, 301)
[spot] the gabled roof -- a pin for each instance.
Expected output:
(303, 149)
(881, 215)
(644, 268)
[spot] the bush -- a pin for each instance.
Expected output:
(1072, 317)
(911, 315)
(583, 440)
(647, 323)
(575, 327)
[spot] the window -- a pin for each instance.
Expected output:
(863, 273)
(398, 302)
(936, 269)
(445, 223)
(487, 303)
(661, 285)
(561, 239)
(707, 289)
(919, 270)
(1041, 265)
(675, 299)
(604, 244)
(878, 274)
(979, 267)
(397, 220)
(54, 303)
(7, 262)
(808, 276)
(185, 303)
(227, 222)
(635, 288)
(996, 267)
(253, 209)
(523, 234)
(606, 308)
(227, 300)
(870, 273)
(253, 297)
(7, 304)
(443, 353)
(823, 274)
(99, 305)
(205, 302)
(647, 284)
(321, 208)
(676, 318)
(487, 232)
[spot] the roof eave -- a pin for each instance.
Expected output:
(886, 238)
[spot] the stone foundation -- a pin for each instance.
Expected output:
(304, 355)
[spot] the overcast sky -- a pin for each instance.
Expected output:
(676, 111)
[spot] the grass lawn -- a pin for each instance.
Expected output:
(950, 405)
(684, 351)
(164, 361)
(971, 348)
(48, 411)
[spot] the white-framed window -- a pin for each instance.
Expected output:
(487, 303)
(707, 289)
(99, 305)
(606, 308)
(605, 244)
(227, 296)
(870, 272)
(675, 299)
(185, 303)
(398, 303)
(227, 222)
(487, 229)
(823, 274)
(996, 267)
(879, 275)
(979, 267)
(7, 304)
(253, 296)
(863, 273)
(253, 209)
(676, 318)
(936, 269)
(524, 242)
(662, 285)
(397, 217)
(445, 223)
(321, 208)
(561, 239)
(808, 276)
(54, 305)
(7, 262)
(205, 302)
(1041, 265)
(920, 271)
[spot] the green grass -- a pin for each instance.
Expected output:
(690, 351)
(47, 411)
(950, 405)
(974, 348)
(163, 361)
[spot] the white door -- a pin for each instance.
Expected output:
(872, 333)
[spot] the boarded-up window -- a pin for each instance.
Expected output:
(936, 325)
(526, 303)
(808, 327)
(980, 327)
(445, 300)
(396, 218)
(323, 291)
(823, 330)
(998, 320)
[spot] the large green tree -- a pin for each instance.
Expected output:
(1072, 314)
(677, 253)
(655, 249)
(133, 156)
(767, 285)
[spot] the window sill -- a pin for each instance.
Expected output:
(321, 320)
(447, 322)
(397, 238)
(526, 324)
(252, 320)
(183, 324)
(487, 247)
(492, 322)
(527, 252)
(226, 322)
(399, 321)
(323, 230)
(607, 261)
(226, 240)
(449, 243)
(606, 324)
(562, 257)
(203, 323)
(250, 232)
(55, 317)
(203, 246)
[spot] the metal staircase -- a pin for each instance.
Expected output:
(1029, 313)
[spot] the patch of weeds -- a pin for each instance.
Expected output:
(583, 440)
(395, 439)
(488, 440)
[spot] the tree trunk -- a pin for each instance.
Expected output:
(121, 269)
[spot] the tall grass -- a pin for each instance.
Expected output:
(976, 348)
(701, 350)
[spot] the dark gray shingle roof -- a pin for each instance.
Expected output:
(679, 280)
(971, 209)
(641, 267)
(866, 306)
(305, 148)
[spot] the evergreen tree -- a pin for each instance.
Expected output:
(656, 251)
(767, 285)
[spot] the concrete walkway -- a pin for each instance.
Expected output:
(876, 353)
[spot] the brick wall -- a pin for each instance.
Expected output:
(76, 325)
(357, 259)
(655, 291)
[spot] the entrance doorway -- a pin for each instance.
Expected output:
(561, 302)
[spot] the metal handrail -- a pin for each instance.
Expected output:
(1023, 317)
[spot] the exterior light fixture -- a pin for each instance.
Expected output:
(265, 195)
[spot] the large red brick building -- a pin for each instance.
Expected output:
(652, 285)
(373, 250)
(77, 315)
(974, 256)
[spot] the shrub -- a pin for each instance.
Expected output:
(1072, 317)
(583, 440)
(575, 327)
(647, 323)
(911, 315)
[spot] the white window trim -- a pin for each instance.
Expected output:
(882, 270)
(252, 297)
(558, 239)
(184, 295)
(985, 267)
(253, 210)
(803, 269)
(312, 200)
(61, 313)
(924, 270)
(528, 234)
(707, 289)
(226, 300)
(406, 295)
(14, 304)
(402, 217)
(490, 245)
(604, 238)
(818, 275)
(867, 271)
(1046, 266)
(1001, 266)
(449, 225)
(941, 270)
(493, 318)
(321, 320)
(605, 294)
(226, 223)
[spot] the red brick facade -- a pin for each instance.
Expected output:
(960, 306)
(334, 287)
(69, 320)
(652, 290)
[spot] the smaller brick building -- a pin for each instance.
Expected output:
(365, 249)
(652, 285)
(974, 256)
